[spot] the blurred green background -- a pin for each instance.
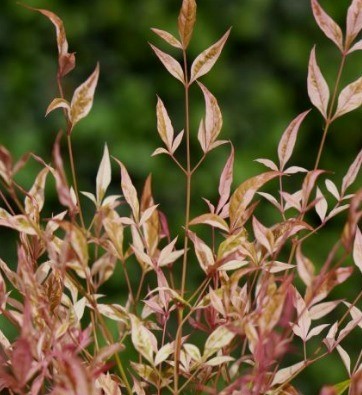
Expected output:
(259, 80)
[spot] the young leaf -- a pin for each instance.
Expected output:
(318, 90)
(352, 173)
(321, 205)
(171, 64)
(211, 126)
(82, 100)
(141, 338)
(357, 249)
(225, 181)
(164, 125)
(285, 374)
(350, 98)
(34, 201)
(327, 25)
(103, 176)
(354, 21)
(355, 47)
(168, 37)
(186, 21)
(212, 220)
(58, 103)
(203, 252)
(345, 358)
(129, 191)
(287, 142)
(219, 338)
(205, 61)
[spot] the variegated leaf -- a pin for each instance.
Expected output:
(103, 176)
(59, 103)
(168, 37)
(219, 338)
(186, 21)
(354, 21)
(203, 252)
(82, 100)
(164, 125)
(283, 375)
(141, 338)
(350, 98)
(318, 90)
(171, 64)
(206, 60)
(226, 180)
(34, 201)
(357, 249)
(212, 220)
(327, 25)
(352, 173)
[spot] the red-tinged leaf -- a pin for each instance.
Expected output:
(321, 205)
(34, 201)
(21, 360)
(164, 125)
(271, 199)
(211, 126)
(308, 185)
(212, 220)
(304, 320)
(336, 211)
(225, 181)
(331, 187)
(206, 60)
(322, 309)
(318, 90)
(350, 98)
(357, 249)
(66, 63)
(327, 25)
(277, 267)
(58, 103)
(329, 340)
(355, 47)
(171, 64)
(316, 331)
(219, 338)
(295, 169)
(287, 142)
(267, 163)
(354, 21)
(261, 234)
(283, 375)
(168, 255)
(355, 312)
(203, 252)
(216, 302)
(345, 358)
(82, 100)
(352, 173)
(177, 141)
(245, 192)
(305, 267)
(186, 21)
(168, 37)
(146, 215)
(108, 385)
(103, 176)
(159, 151)
(142, 257)
(129, 191)
(292, 201)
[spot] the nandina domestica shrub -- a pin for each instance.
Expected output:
(261, 314)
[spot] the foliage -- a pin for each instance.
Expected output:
(247, 327)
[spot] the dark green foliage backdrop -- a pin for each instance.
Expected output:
(260, 82)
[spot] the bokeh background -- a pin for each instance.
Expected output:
(260, 82)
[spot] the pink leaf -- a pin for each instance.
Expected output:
(355, 47)
(354, 21)
(159, 151)
(212, 220)
(285, 374)
(164, 125)
(287, 142)
(203, 252)
(345, 358)
(322, 309)
(171, 64)
(331, 187)
(267, 163)
(357, 249)
(21, 359)
(177, 141)
(352, 173)
(261, 235)
(225, 181)
(350, 98)
(308, 185)
(305, 267)
(103, 175)
(168, 37)
(327, 25)
(58, 103)
(318, 90)
(186, 21)
(206, 60)
(321, 205)
(82, 100)
(316, 331)
(129, 191)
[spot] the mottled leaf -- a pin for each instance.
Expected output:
(217, 361)
(350, 98)
(354, 21)
(164, 125)
(226, 180)
(168, 37)
(34, 201)
(352, 173)
(141, 338)
(163, 353)
(186, 21)
(58, 103)
(171, 64)
(287, 142)
(318, 90)
(219, 338)
(206, 60)
(203, 252)
(212, 220)
(104, 175)
(285, 374)
(327, 25)
(82, 100)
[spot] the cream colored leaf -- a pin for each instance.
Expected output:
(357, 249)
(141, 338)
(318, 90)
(82, 100)
(206, 60)
(34, 201)
(212, 220)
(350, 98)
(103, 176)
(354, 21)
(321, 205)
(285, 374)
(58, 103)
(219, 338)
(186, 21)
(171, 64)
(164, 125)
(168, 37)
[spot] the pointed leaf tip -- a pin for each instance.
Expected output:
(186, 21)
(103, 176)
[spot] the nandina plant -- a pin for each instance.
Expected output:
(246, 326)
